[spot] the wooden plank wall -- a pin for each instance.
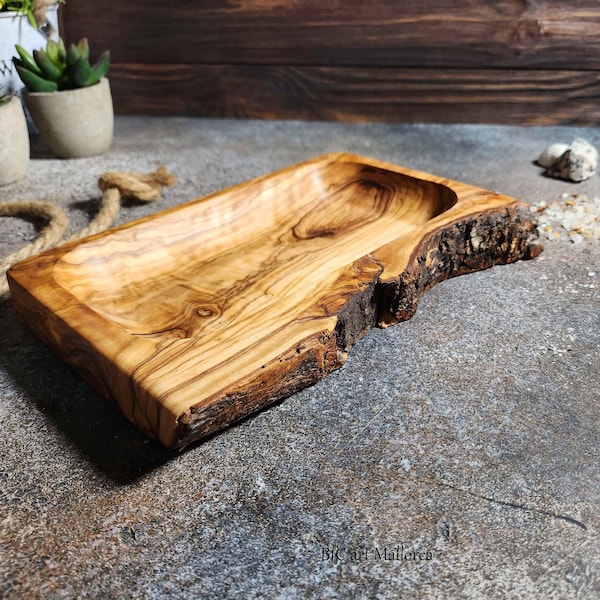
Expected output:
(480, 61)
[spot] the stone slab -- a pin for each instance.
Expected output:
(453, 456)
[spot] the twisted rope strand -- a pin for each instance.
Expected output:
(51, 234)
(109, 209)
(145, 187)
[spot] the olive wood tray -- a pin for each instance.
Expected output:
(197, 316)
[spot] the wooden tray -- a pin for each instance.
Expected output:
(202, 314)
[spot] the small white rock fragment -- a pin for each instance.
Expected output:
(577, 163)
(551, 154)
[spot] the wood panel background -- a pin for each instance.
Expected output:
(481, 61)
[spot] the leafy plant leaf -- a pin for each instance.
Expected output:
(35, 83)
(49, 69)
(27, 60)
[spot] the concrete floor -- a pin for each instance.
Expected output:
(453, 456)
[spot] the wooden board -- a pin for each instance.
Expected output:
(359, 93)
(200, 315)
(484, 61)
(540, 34)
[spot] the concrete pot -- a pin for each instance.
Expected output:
(14, 142)
(74, 123)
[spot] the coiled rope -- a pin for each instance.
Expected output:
(145, 187)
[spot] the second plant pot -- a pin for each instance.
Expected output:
(74, 123)
(14, 141)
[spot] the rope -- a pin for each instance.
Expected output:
(145, 187)
(50, 235)
(115, 186)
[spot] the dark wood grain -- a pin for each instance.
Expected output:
(344, 93)
(484, 61)
(198, 316)
(541, 34)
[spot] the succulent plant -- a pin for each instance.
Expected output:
(55, 68)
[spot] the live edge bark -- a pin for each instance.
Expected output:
(468, 245)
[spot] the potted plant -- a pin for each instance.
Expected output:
(68, 99)
(29, 23)
(14, 140)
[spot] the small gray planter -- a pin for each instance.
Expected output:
(74, 123)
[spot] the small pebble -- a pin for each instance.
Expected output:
(551, 154)
(577, 163)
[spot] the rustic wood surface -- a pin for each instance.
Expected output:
(198, 316)
(348, 94)
(504, 61)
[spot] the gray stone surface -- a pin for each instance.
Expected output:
(453, 456)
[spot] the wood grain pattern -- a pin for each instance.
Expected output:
(358, 94)
(541, 34)
(200, 315)
(483, 61)
(503, 61)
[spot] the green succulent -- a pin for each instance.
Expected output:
(55, 68)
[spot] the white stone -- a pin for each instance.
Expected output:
(577, 163)
(551, 154)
